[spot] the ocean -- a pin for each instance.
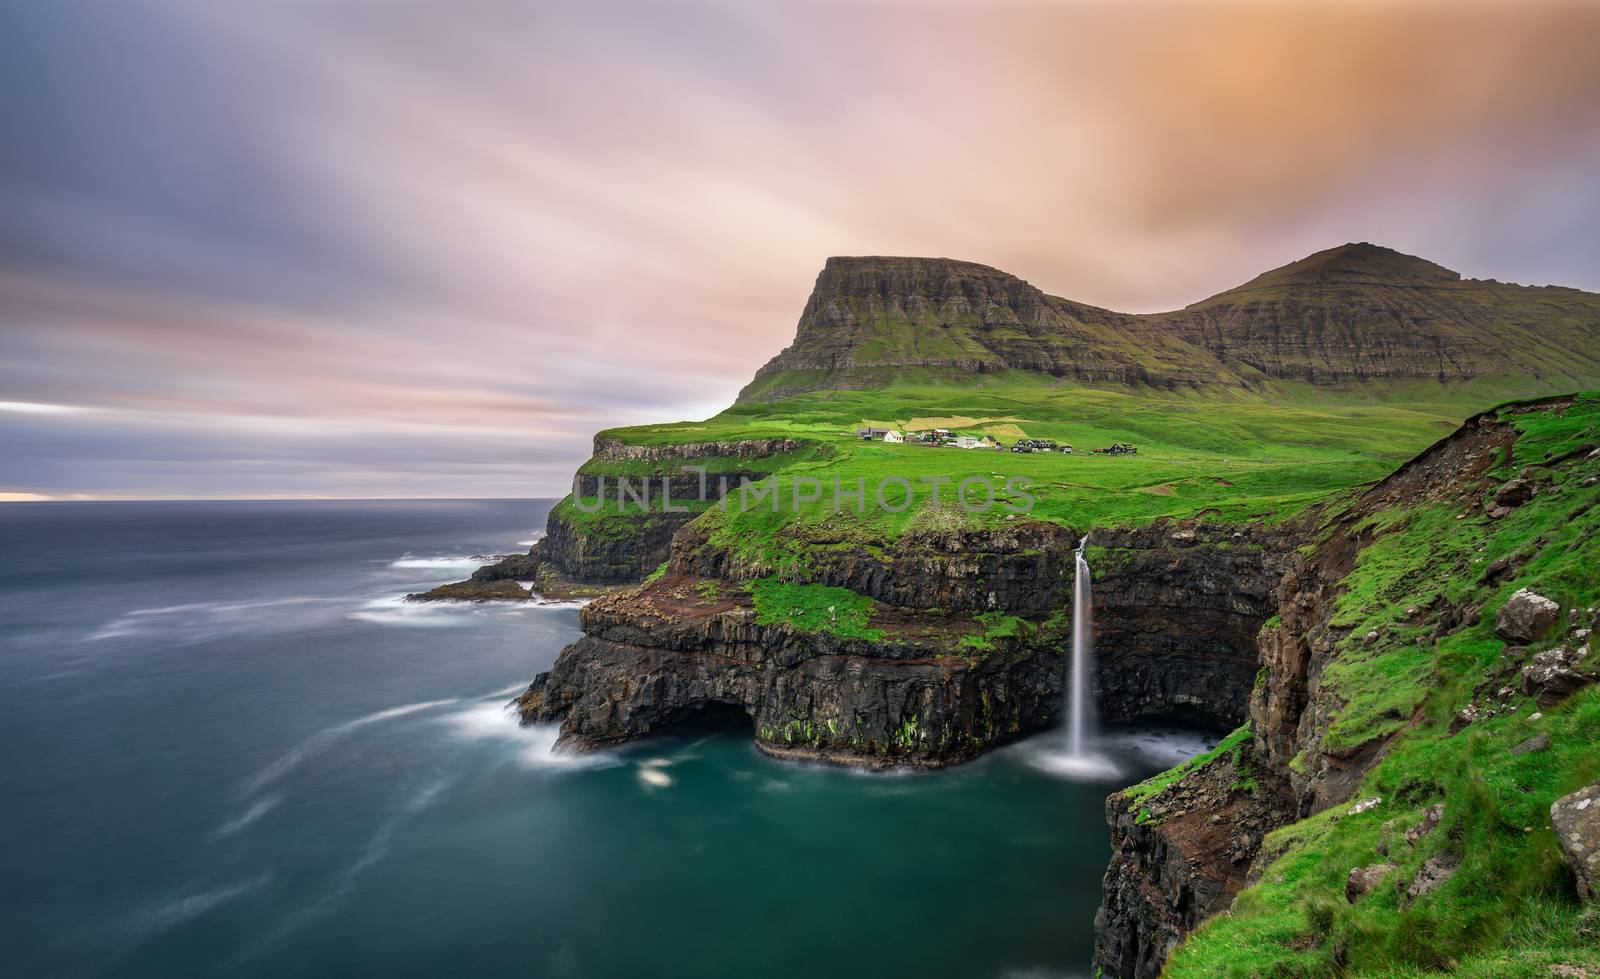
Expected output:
(229, 748)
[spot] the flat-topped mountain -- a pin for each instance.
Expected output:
(1347, 315)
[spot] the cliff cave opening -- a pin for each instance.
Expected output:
(711, 717)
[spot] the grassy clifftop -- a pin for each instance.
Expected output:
(1237, 457)
(1476, 886)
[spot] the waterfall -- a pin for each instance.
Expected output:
(1080, 679)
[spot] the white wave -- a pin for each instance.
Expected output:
(445, 562)
(425, 796)
(510, 691)
(325, 738)
(448, 613)
(543, 602)
(175, 912)
(536, 743)
(395, 610)
(492, 720)
(655, 778)
(256, 810)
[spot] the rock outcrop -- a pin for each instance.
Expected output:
(1556, 674)
(1576, 820)
(679, 647)
(1180, 856)
(1525, 616)
(1177, 609)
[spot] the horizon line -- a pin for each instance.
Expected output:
(24, 498)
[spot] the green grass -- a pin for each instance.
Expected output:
(996, 627)
(1226, 455)
(1136, 795)
(1510, 910)
(813, 608)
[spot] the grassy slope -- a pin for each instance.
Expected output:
(1510, 910)
(1233, 455)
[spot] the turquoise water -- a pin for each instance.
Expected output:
(229, 749)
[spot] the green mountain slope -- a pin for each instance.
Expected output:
(1343, 317)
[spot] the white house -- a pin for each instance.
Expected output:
(968, 442)
(893, 436)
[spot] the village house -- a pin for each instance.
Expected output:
(1037, 445)
(873, 434)
(893, 436)
(974, 442)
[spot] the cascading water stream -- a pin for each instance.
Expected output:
(1080, 678)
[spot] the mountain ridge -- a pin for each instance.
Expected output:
(1346, 315)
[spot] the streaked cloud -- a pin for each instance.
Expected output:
(355, 247)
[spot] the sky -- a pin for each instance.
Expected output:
(414, 248)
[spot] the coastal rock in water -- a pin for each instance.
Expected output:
(1525, 616)
(1576, 820)
(668, 653)
(474, 591)
(1175, 627)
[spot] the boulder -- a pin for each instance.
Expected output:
(1553, 676)
(1365, 805)
(1525, 616)
(1363, 879)
(1576, 820)
(1435, 871)
(1535, 744)
(1514, 494)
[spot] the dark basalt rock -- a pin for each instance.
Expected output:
(1177, 606)
(1179, 857)
(1177, 609)
(659, 655)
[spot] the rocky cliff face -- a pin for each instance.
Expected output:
(1350, 314)
(1181, 855)
(675, 648)
(1178, 607)
(1183, 852)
